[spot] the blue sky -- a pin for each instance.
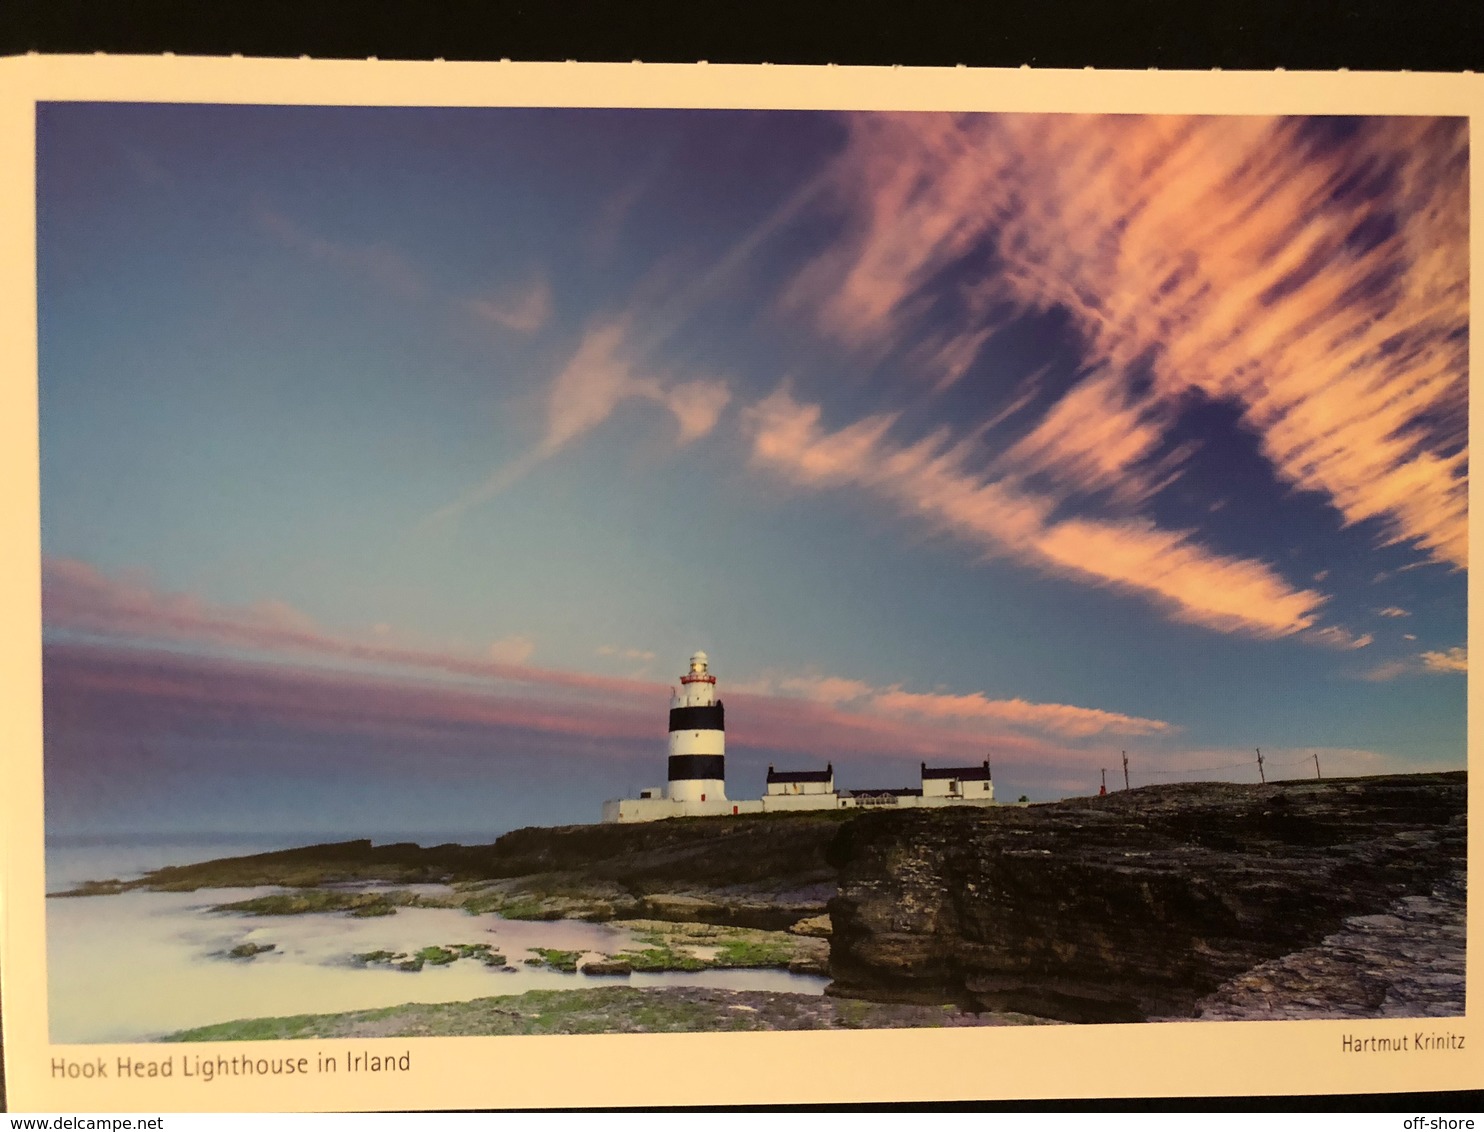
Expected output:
(394, 460)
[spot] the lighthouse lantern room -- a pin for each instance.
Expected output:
(697, 769)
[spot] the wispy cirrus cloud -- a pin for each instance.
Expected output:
(930, 481)
(1313, 272)
(604, 372)
(1092, 440)
(378, 262)
(522, 309)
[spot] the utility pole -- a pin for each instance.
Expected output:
(1125, 770)
(1316, 765)
(1104, 789)
(1259, 766)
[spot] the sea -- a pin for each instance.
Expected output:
(138, 966)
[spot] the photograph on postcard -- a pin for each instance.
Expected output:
(534, 570)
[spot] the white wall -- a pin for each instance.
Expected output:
(779, 802)
(656, 809)
(692, 789)
(784, 788)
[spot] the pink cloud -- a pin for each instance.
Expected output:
(1451, 660)
(825, 689)
(147, 691)
(955, 712)
(1091, 440)
(303, 676)
(789, 724)
(905, 220)
(78, 598)
(696, 405)
(604, 372)
(146, 674)
(930, 481)
(1058, 719)
(1221, 253)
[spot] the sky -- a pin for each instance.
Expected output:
(395, 460)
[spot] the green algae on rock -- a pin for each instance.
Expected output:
(605, 1010)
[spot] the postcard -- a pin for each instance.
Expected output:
(554, 585)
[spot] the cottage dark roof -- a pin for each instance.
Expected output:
(824, 775)
(962, 773)
(898, 791)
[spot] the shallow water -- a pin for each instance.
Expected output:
(140, 965)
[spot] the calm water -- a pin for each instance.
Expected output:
(144, 964)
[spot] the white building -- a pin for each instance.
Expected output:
(696, 785)
(969, 783)
(788, 783)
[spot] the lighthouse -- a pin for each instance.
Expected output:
(697, 785)
(697, 738)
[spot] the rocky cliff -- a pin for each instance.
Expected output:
(1135, 905)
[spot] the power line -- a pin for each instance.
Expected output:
(1263, 764)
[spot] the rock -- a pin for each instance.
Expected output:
(1407, 963)
(810, 965)
(250, 950)
(818, 926)
(608, 966)
(1142, 903)
(688, 909)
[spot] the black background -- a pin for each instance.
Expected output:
(1441, 35)
(1445, 35)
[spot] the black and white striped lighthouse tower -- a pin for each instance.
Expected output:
(697, 738)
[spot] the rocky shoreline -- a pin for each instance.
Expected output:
(766, 873)
(1335, 899)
